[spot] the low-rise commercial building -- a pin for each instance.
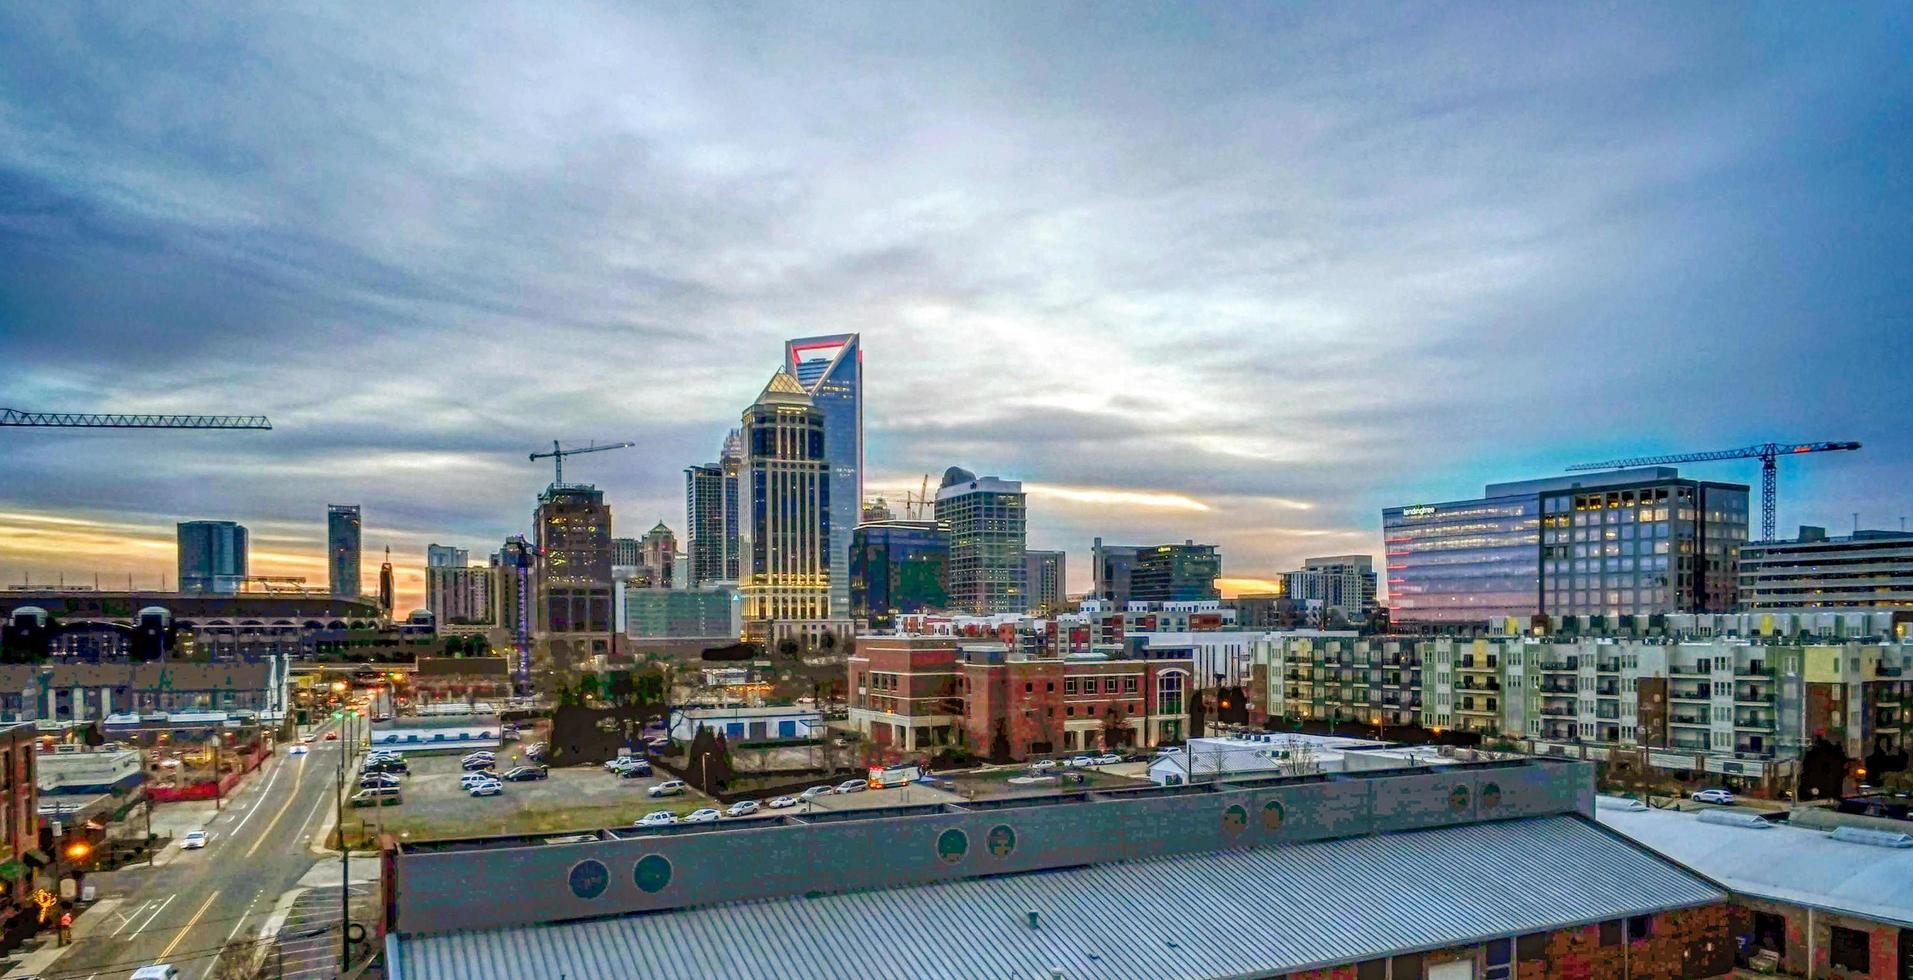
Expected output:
(57, 696)
(748, 724)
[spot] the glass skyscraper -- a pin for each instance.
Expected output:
(898, 567)
(830, 369)
(787, 511)
(704, 523)
(342, 549)
(988, 573)
(212, 556)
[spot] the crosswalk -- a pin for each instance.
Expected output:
(307, 947)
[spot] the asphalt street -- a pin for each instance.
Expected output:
(187, 908)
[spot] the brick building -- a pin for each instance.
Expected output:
(916, 692)
(19, 832)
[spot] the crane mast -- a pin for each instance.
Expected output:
(96, 420)
(1768, 453)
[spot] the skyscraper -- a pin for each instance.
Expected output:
(212, 556)
(1046, 582)
(1339, 583)
(342, 549)
(573, 526)
(388, 588)
(732, 462)
(445, 556)
(830, 370)
(516, 586)
(1175, 573)
(1110, 568)
(898, 567)
(460, 596)
(786, 498)
(627, 552)
(657, 551)
(986, 520)
(704, 523)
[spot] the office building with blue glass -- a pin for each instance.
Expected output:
(212, 556)
(830, 369)
(898, 567)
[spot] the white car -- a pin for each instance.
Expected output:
(743, 808)
(159, 972)
(1108, 759)
(656, 818)
(814, 792)
(298, 750)
(471, 779)
(488, 788)
(670, 787)
(1169, 750)
(853, 786)
(309, 737)
(193, 841)
(1712, 796)
(1081, 762)
(1042, 765)
(782, 802)
(702, 815)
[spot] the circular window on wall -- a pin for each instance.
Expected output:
(1490, 796)
(1458, 798)
(1272, 815)
(952, 845)
(652, 873)
(1001, 841)
(1235, 819)
(589, 879)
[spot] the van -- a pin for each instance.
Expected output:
(378, 796)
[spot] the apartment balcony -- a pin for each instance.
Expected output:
(1687, 694)
(1688, 744)
(1479, 664)
(1886, 670)
(1690, 721)
(1558, 708)
(1608, 689)
(1753, 722)
(1752, 695)
(1470, 684)
(1607, 714)
(1748, 750)
(1685, 670)
(1570, 664)
(1754, 670)
(1468, 707)
(1558, 687)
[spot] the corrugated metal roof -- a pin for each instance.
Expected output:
(1216, 914)
(1795, 865)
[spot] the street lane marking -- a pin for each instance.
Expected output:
(126, 919)
(263, 790)
(291, 798)
(187, 928)
(150, 918)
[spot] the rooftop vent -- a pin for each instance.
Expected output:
(1733, 818)
(1872, 838)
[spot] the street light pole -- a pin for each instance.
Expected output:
(345, 866)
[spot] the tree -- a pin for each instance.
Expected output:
(243, 959)
(1116, 728)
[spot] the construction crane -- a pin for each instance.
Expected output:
(915, 505)
(558, 454)
(15, 417)
(1767, 452)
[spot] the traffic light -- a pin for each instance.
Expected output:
(78, 851)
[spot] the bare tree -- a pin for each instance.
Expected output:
(1302, 761)
(243, 959)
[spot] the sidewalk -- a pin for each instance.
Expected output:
(94, 918)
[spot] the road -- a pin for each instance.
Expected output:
(184, 911)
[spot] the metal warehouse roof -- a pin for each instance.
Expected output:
(1795, 865)
(1217, 914)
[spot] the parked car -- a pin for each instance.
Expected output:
(742, 808)
(523, 773)
(670, 787)
(1169, 750)
(1042, 765)
(535, 751)
(782, 802)
(636, 771)
(1107, 759)
(852, 786)
(1081, 761)
(704, 814)
(377, 779)
(298, 750)
(331, 736)
(815, 791)
(489, 787)
(158, 971)
(386, 765)
(381, 796)
(480, 754)
(612, 764)
(1712, 796)
(656, 818)
(471, 765)
(193, 841)
(473, 778)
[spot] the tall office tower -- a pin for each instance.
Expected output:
(515, 583)
(573, 525)
(1622, 542)
(898, 567)
(830, 369)
(786, 495)
(1110, 569)
(445, 556)
(1340, 583)
(1867, 570)
(658, 551)
(388, 588)
(986, 520)
(1175, 573)
(627, 551)
(461, 596)
(212, 556)
(342, 549)
(732, 463)
(703, 524)
(1046, 582)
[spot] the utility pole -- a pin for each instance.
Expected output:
(345, 863)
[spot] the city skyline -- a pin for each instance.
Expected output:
(1387, 274)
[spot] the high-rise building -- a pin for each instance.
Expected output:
(1341, 584)
(445, 556)
(701, 611)
(1045, 577)
(1623, 542)
(830, 370)
(460, 595)
(898, 567)
(515, 584)
(1110, 568)
(1866, 570)
(212, 556)
(704, 523)
(627, 551)
(731, 461)
(573, 526)
(985, 516)
(342, 549)
(786, 495)
(657, 552)
(388, 586)
(1185, 572)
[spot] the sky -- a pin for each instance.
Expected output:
(1243, 274)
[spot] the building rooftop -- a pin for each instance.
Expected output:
(1218, 914)
(1780, 863)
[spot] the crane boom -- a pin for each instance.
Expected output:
(1767, 452)
(558, 454)
(94, 420)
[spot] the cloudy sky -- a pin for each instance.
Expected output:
(1240, 274)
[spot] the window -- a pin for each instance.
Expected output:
(1069, 685)
(1611, 932)
(1640, 927)
(1129, 684)
(1848, 950)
